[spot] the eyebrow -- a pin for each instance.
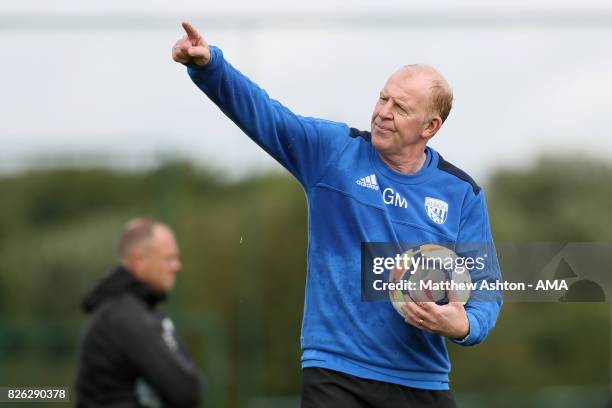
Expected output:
(402, 105)
(397, 101)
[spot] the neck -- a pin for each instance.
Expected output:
(406, 163)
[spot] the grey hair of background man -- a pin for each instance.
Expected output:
(441, 94)
(137, 232)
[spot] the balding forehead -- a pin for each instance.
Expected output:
(162, 230)
(427, 81)
(424, 70)
(141, 232)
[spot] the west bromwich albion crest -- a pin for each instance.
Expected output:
(436, 209)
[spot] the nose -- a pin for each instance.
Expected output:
(385, 111)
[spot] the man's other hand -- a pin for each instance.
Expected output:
(448, 320)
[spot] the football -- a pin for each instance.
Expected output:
(428, 273)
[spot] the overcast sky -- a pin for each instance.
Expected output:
(96, 80)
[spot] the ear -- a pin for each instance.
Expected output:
(135, 261)
(432, 127)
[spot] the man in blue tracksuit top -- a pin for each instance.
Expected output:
(386, 185)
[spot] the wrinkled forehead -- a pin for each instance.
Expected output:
(410, 85)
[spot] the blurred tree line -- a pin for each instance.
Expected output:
(238, 301)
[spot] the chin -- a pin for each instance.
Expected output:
(380, 142)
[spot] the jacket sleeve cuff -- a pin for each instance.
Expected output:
(216, 56)
(473, 333)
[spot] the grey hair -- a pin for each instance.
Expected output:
(136, 232)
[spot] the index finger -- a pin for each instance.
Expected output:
(192, 33)
(426, 305)
(414, 309)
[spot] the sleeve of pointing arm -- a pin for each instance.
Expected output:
(303, 145)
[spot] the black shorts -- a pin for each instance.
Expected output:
(323, 388)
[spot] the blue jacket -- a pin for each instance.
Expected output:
(354, 197)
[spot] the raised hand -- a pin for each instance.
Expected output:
(191, 48)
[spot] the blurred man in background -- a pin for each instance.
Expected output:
(129, 354)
